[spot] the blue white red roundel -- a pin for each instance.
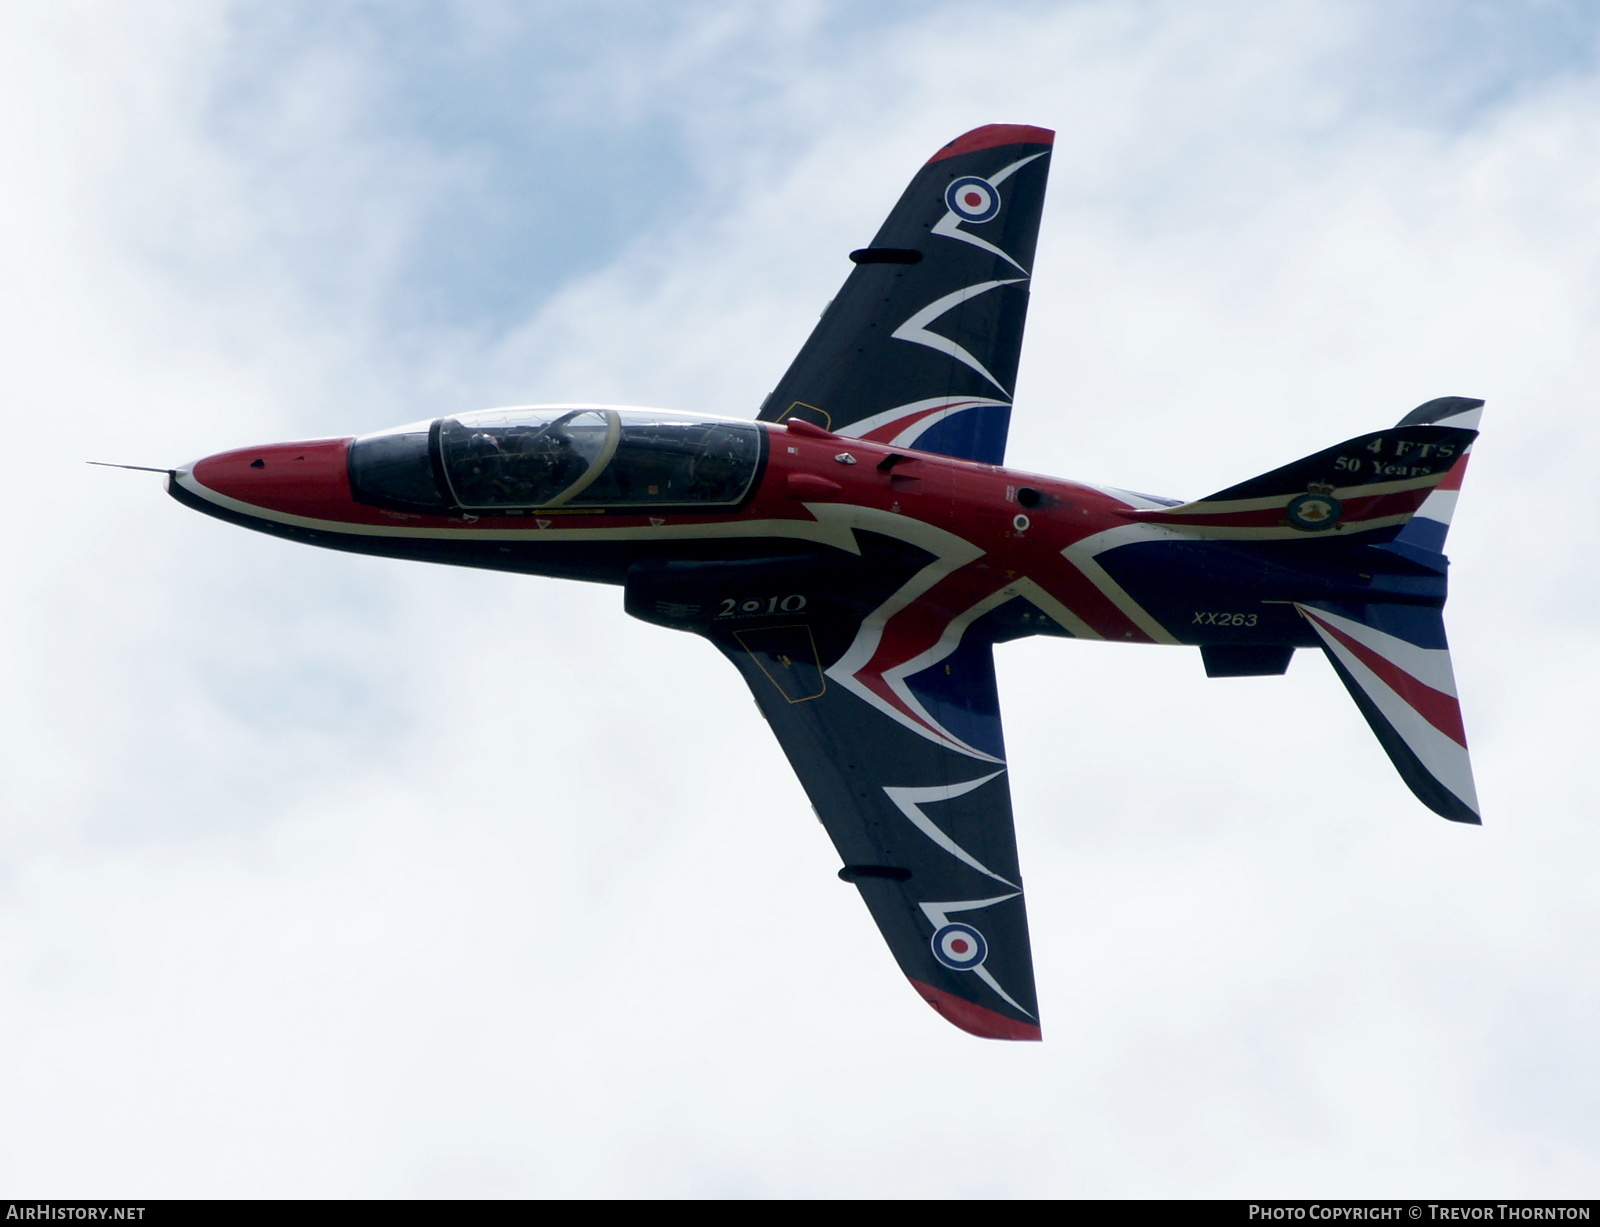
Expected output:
(960, 947)
(972, 199)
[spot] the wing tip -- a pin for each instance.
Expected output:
(992, 136)
(975, 1019)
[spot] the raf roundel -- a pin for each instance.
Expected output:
(972, 199)
(960, 947)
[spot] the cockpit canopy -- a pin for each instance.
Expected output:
(557, 456)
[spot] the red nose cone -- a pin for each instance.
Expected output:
(303, 479)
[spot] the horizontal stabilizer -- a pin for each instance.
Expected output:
(1395, 661)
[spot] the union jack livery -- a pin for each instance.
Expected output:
(858, 549)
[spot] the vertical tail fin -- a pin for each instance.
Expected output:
(1373, 483)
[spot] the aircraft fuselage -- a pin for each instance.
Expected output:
(976, 536)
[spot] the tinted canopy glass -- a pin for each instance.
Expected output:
(596, 457)
(394, 468)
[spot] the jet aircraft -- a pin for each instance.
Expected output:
(858, 549)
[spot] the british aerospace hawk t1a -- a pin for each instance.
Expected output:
(858, 549)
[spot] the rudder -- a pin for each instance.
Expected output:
(1427, 529)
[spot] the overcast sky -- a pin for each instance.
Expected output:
(329, 875)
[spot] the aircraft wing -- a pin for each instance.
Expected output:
(920, 347)
(912, 790)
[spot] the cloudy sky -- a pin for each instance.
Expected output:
(328, 875)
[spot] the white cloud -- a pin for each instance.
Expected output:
(329, 875)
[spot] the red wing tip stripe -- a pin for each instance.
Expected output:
(974, 1019)
(1441, 710)
(992, 136)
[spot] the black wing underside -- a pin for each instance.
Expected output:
(920, 347)
(925, 832)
